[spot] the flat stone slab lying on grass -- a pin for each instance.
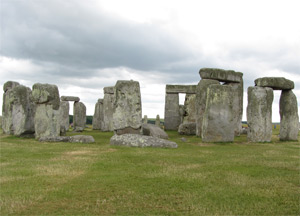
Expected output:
(71, 139)
(221, 75)
(154, 131)
(70, 98)
(136, 140)
(276, 83)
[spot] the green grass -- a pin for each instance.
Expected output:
(237, 178)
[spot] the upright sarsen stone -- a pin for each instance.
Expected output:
(218, 120)
(172, 112)
(289, 118)
(201, 96)
(64, 116)
(189, 108)
(46, 120)
(79, 116)
(18, 110)
(127, 117)
(108, 109)
(98, 115)
(259, 114)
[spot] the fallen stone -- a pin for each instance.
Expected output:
(78, 129)
(259, 114)
(154, 131)
(276, 83)
(70, 98)
(289, 118)
(221, 75)
(82, 139)
(46, 94)
(187, 128)
(218, 122)
(135, 140)
(55, 139)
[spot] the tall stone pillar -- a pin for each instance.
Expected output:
(172, 112)
(46, 120)
(108, 109)
(79, 116)
(127, 117)
(289, 118)
(64, 116)
(157, 121)
(259, 114)
(218, 120)
(98, 115)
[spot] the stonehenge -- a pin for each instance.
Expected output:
(79, 116)
(108, 108)
(98, 115)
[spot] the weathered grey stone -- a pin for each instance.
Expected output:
(79, 116)
(221, 75)
(70, 98)
(172, 112)
(187, 128)
(289, 118)
(18, 110)
(10, 85)
(136, 140)
(201, 96)
(81, 139)
(55, 139)
(46, 94)
(128, 106)
(238, 95)
(259, 114)
(109, 90)
(78, 129)
(218, 121)
(189, 108)
(46, 121)
(128, 130)
(108, 109)
(276, 83)
(181, 112)
(0, 121)
(145, 119)
(187, 89)
(157, 121)
(153, 130)
(64, 116)
(98, 115)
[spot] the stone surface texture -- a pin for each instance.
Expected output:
(289, 118)
(18, 110)
(259, 114)
(175, 89)
(128, 106)
(276, 83)
(79, 116)
(136, 140)
(172, 112)
(64, 116)
(221, 75)
(187, 128)
(201, 96)
(189, 108)
(218, 120)
(98, 115)
(153, 130)
(70, 98)
(145, 119)
(108, 109)
(82, 139)
(46, 94)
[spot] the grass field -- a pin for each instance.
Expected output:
(237, 178)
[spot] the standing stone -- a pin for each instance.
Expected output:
(157, 121)
(189, 108)
(64, 116)
(79, 116)
(145, 120)
(172, 112)
(238, 94)
(188, 128)
(218, 122)
(127, 117)
(259, 114)
(98, 115)
(46, 120)
(289, 118)
(108, 109)
(18, 109)
(201, 96)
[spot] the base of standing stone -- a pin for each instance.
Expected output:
(128, 130)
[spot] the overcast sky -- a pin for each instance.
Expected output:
(83, 46)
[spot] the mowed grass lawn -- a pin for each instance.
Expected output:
(237, 178)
